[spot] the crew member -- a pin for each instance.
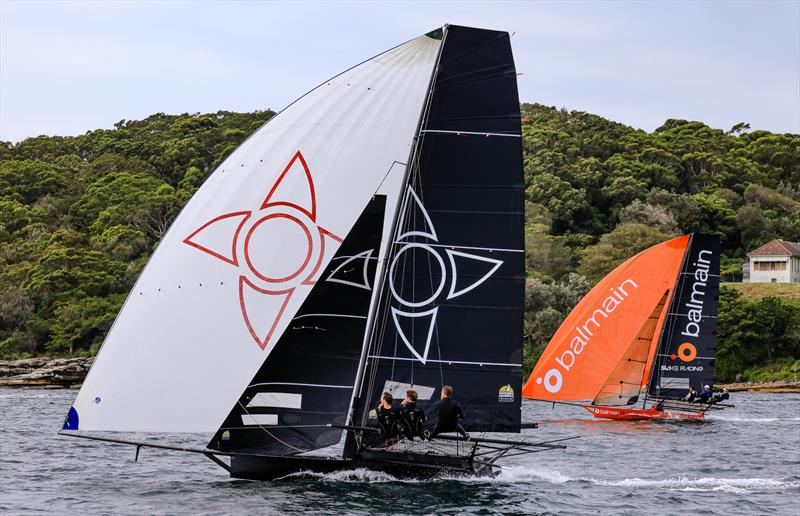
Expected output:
(704, 395)
(387, 417)
(449, 414)
(691, 395)
(412, 417)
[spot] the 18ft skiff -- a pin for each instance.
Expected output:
(643, 336)
(368, 238)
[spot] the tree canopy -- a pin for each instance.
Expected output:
(80, 216)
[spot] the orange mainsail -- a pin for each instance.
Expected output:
(599, 331)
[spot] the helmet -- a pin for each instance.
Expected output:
(706, 387)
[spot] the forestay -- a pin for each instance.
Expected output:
(241, 258)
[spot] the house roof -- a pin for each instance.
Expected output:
(777, 248)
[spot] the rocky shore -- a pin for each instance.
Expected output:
(61, 373)
(781, 386)
(44, 373)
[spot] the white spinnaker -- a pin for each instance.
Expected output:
(184, 346)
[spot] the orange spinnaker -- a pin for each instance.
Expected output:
(595, 335)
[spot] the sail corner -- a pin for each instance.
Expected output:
(71, 422)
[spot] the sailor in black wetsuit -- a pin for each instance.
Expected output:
(387, 418)
(449, 413)
(412, 418)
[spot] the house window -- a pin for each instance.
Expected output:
(770, 266)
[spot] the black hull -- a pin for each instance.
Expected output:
(397, 464)
(272, 468)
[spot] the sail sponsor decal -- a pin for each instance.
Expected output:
(553, 379)
(276, 247)
(687, 351)
(404, 315)
(506, 394)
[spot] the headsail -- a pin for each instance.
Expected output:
(688, 343)
(450, 310)
(307, 382)
(623, 386)
(594, 337)
(242, 257)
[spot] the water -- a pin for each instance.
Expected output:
(743, 461)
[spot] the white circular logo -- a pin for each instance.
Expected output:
(552, 380)
(436, 292)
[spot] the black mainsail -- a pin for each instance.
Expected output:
(688, 343)
(450, 310)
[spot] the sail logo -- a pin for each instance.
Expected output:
(694, 315)
(553, 379)
(686, 352)
(277, 247)
(407, 315)
(506, 394)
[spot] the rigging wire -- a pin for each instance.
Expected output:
(270, 433)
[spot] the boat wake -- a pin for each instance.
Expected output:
(522, 474)
(681, 483)
(735, 419)
(363, 475)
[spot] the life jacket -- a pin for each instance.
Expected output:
(413, 419)
(387, 420)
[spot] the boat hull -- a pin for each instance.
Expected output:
(631, 414)
(397, 464)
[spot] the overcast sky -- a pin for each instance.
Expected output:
(68, 67)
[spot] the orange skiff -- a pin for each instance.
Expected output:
(629, 414)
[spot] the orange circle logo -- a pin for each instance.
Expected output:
(687, 352)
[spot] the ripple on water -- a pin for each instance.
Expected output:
(742, 461)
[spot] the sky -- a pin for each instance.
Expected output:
(70, 67)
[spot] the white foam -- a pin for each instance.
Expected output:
(351, 475)
(735, 419)
(682, 483)
(737, 485)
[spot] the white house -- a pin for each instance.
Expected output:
(775, 262)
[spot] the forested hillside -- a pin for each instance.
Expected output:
(79, 216)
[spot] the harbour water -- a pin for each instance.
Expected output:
(745, 460)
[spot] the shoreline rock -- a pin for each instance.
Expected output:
(44, 373)
(776, 387)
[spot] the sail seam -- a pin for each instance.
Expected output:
(447, 361)
(490, 249)
(443, 131)
(301, 385)
(349, 316)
